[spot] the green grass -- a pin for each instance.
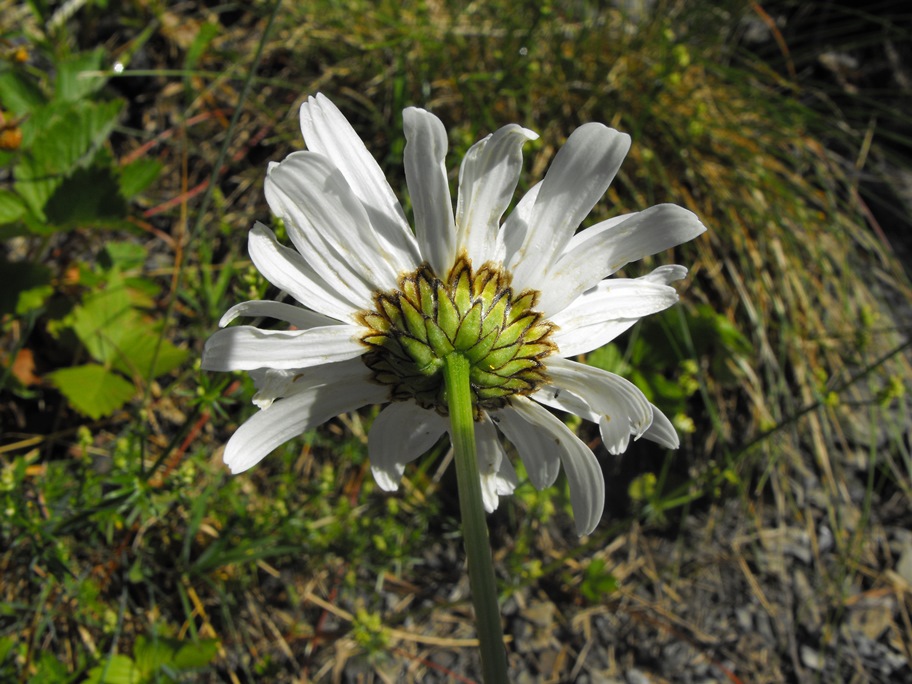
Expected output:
(122, 534)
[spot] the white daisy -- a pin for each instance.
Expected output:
(380, 304)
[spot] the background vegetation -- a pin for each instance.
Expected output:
(133, 145)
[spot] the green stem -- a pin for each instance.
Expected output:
(474, 527)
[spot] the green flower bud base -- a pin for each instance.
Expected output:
(476, 314)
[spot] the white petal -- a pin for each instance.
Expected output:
(621, 407)
(540, 455)
(544, 433)
(662, 431)
(498, 478)
(290, 417)
(578, 177)
(429, 188)
(329, 226)
(286, 269)
(272, 384)
(299, 317)
(329, 133)
(246, 348)
(487, 180)
(513, 233)
(602, 249)
(401, 433)
(602, 313)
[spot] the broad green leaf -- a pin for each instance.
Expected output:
(75, 79)
(136, 177)
(118, 670)
(100, 320)
(152, 655)
(63, 137)
(192, 656)
(11, 207)
(123, 256)
(92, 390)
(136, 344)
(87, 197)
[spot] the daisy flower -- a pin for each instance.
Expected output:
(379, 305)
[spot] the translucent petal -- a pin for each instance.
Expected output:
(498, 478)
(401, 433)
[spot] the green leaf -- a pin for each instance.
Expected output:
(26, 286)
(118, 670)
(136, 177)
(93, 390)
(123, 256)
(100, 320)
(74, 78)
(152, 655)
(192, 656)
(11, 207)
(58, 140)
(136, 346)
(88, 196)
(21, 94)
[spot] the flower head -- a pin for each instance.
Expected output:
(379, 305)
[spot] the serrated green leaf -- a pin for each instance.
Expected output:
(75, 77)
(100, 320)
(86, 197)
(21, 94)
(136, 177)
(93, 390)
(58, 140)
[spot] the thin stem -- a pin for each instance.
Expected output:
(474, 527)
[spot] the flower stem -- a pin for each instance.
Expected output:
(474, 527)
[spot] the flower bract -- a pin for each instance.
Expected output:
(377, 304)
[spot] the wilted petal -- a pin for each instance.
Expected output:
(498, 478)
(621, 407)
(662, 431)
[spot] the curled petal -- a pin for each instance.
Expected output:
(498, 478)
(341, 388)
(602, 249)
(295, 315)
(540, 437)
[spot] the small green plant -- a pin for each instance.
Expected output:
(158, 661)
